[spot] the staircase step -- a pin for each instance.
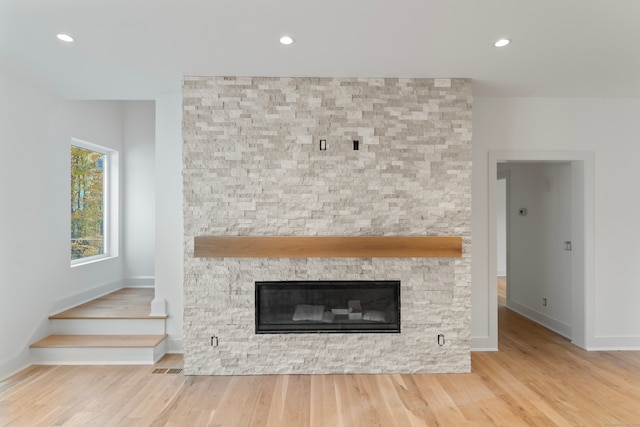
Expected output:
(126, 303)
(113, 329)
(99, 341)
(99, 349)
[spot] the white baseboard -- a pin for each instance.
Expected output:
(14, 364)
(614, 344)
(175, 346)
(548, 322)
(140, 282)
(599, 343)
(483, 344)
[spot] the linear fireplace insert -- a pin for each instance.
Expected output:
(328, 306)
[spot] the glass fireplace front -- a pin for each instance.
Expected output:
(328, 306)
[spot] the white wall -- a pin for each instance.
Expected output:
(139, 193)
(23, 228)
(35, 274)
(540, 266)
(608, 128)
(169, 249)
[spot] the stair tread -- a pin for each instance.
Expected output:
(126, 303)
(99, 341)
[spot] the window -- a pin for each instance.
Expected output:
(92, 168)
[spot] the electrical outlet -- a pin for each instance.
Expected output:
(214, 341)
(544, 302)
(440, 339)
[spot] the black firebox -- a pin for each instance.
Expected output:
(360, 306)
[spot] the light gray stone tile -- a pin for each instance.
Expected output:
(252, 166)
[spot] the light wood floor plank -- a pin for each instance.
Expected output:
(99, 341)
(536, 379)
(442, 406)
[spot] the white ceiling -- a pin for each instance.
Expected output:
(135, 49)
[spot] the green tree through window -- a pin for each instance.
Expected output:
(87, 203)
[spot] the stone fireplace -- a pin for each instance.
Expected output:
(253, 167)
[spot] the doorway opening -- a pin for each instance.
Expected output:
(534, 225)
(547, 196)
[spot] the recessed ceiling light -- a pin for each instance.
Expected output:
(502, 43)
(286, 40)
(65, 38)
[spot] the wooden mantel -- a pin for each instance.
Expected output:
(328, 247)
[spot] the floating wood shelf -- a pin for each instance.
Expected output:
(328, 247)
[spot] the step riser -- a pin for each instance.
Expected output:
(99, 356)
(113, 329)
(107, 326)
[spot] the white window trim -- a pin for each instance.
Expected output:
(111, 198)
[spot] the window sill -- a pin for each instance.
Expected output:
(91, 260)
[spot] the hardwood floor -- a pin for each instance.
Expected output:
(536, 379)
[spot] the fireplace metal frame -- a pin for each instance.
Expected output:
(341, 325)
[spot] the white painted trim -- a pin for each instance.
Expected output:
(160, 350)
(140, 282)
(175, 346)
(158, 307)
(112, 326)
(99, 356)
(492, 173)
(111, 201)
(600, 343)
(506, 175)
(90, 260)
(93, 363)
(550, 323)
(14, 364)
(583, 286)
(482, 344)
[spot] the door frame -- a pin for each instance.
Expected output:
(582, 210)
(506, 175)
